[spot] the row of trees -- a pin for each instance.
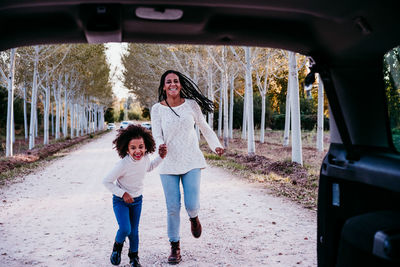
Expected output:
(70, 81)
(225, 74)
(391, 72)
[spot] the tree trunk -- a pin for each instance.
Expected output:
(211, 97)
(46, 116)
(225, 94)
(244, 118)
(52, 119)
(25, 116)
(250, 117)
(320, 120)
(33, 100)
(232, 92)
(262, 127)
(65, 121)
(286, 135)
(295, 108)
(72, 110)
(221, 97)
(36, 122)
(10, 105)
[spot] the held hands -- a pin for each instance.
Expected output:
(219, 151)
(127, 198)
(162, 150)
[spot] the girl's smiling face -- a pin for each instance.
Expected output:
(136, 148)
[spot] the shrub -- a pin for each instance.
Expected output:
(133, 116)
(308, 122)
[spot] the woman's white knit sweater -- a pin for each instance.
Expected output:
(179, 134)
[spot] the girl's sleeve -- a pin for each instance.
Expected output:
(156, 126)
(110, 178)
(205, 129)
(154, 163)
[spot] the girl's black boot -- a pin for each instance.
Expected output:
(134, 259)
(115, 257)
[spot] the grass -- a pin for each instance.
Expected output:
(23, 170)
(276, 172)
(26, 168)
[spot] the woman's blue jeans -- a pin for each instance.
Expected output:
(128, 216)
(172, 192)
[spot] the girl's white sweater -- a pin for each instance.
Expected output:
(128, 174)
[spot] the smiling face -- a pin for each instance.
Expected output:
(136, 148)
(172, 85)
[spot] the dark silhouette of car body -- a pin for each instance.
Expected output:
(359, 189)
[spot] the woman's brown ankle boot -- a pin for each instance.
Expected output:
(175, 256)
(195, 226)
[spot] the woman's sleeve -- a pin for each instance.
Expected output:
(156, 126)
(205, 129)
(113, 175)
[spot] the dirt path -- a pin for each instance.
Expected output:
(62, 216)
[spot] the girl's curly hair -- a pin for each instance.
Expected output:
(124, 136)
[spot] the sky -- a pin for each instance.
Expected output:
(113, 54)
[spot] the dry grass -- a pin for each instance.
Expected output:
(272, 167)
(27, 161)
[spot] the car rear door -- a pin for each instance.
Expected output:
(359, 189)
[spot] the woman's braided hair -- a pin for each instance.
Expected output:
(189, 90)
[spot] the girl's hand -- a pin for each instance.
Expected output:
(127, 198)
(219, 151)
(162, 150)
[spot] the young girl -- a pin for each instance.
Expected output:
(133, 145)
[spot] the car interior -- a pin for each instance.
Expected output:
(359, 188)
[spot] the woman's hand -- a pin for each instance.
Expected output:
(162, 150)
(219, 151)
(127, 198)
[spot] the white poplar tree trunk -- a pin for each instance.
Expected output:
(25, 116)
(10, 105)
(295, 110)
(231, 96)
(251, 146)
(13, 127)
(77, 115)
(57, 96)
(263, 92)
(36, 122)
(225, 97)
(33, 121)
(95, 118)
(262, 127)
(211, 97)
(221, 96)
(65, 121)
(244, 119)
(52, 118)
(72, 110)
(320, 119)
(286, 134)
(46, 116)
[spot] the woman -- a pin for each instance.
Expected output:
(173, 118)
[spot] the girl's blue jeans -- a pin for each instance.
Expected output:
(172, 192)
(128, 216)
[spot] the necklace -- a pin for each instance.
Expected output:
(171, 108)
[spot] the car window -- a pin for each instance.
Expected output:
(391, 74)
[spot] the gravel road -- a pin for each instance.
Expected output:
(61, 215)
